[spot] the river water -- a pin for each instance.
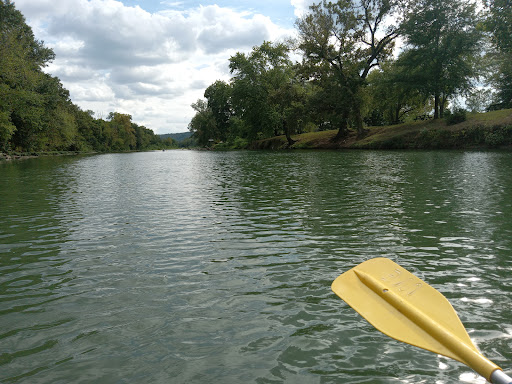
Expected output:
(201, 267)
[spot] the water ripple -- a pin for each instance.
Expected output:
(185, 266)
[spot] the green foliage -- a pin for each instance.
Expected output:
(442, 41)
(262, 100)
(189, 142)
(202, 124)
(7, 129)
(436, 139)
(479, 100)
(36, 113)
(218, 96)
(342, 41)
(262, 87)
(240, 143)
(499, 24)
(393, 100)
(498, 136)
(458, 116)
(237, 143)
(472, 136)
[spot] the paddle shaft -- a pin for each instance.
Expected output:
(465, 353)
(499, 377)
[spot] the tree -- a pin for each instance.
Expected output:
(392, 97)
(59, 129)
(328, 103)
(22, 82)
(14, 30)
(124, 132)
(89, 130)
(218, 96)
(202, 124)
(36, 113)
(259, 89)
(351, 38)
(499, 24)
(442, 40)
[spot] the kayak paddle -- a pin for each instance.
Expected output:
(407, 309)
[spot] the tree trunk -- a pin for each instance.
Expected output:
(359, 123)
(442, 105)
(342, 132)
(287, 134)
(436, 106)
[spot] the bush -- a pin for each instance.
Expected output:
(240, 143)
(498, 136)
(494, 138)
(436, 139)
(237, 143)
(458, 116)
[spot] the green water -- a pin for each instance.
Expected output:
(200, 267)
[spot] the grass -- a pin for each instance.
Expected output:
(14, 155)
(480, 130)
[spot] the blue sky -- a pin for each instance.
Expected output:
(152, 58)
(281, 12)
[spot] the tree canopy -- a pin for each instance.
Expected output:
(499, 25)
(351, 73)
(343, 41)
(441, 41)
(36, 113)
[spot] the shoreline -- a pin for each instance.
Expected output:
(484, 131)
(12, 156)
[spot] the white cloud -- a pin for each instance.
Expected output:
(223, 29)
(173, 4)
(112, 57)
(96, 91)
(302, 6)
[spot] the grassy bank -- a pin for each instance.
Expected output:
(479, 130)
(5, 156)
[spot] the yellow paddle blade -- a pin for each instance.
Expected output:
(407, 309)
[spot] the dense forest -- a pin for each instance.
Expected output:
(36, 113)
(364, 63)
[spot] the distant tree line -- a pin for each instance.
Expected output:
(349, 78)
(36, 113)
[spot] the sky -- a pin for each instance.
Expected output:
(152, 58)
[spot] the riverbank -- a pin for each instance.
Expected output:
(479, 130)
(8, 156)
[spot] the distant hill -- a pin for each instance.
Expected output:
(176, 136)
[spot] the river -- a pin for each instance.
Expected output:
(215, 267)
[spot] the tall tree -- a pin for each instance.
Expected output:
(499, 23)
(218, 96)
(36, 113)
(123, 132)
(392, 97)
(202, 124)
(259, 83)
(22, 83)
(442, 41)
(351, 37)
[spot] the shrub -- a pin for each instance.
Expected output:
(498, 135)
(494, 138)
(240, 143)
(458, 116)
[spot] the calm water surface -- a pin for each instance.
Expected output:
(199, 267)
